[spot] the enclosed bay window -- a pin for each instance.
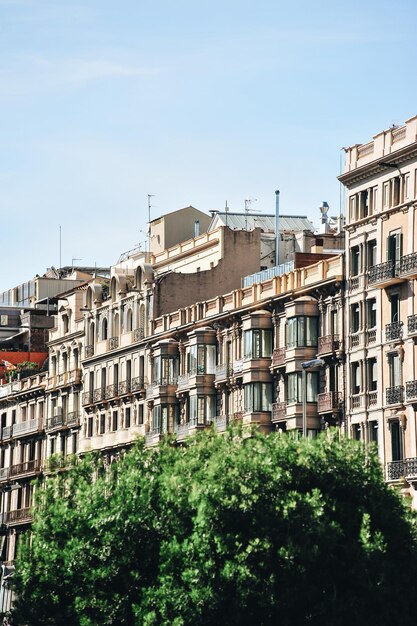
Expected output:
(202, 359)
(257, 397)
(302, 332)
(163, 417)
(295, 386)
(258, 343)
(165, 370)
(201, 409)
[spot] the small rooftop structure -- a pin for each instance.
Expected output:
(266, 222)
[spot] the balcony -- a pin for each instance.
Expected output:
(372, 398)
(382, 275)
(28, 467)
(27, 428)
(395, 470)
(4, 473)
(394, 331)
(220, 422)
(87, 398)
(181, 431)
(153, 437)
(89, 351)
(328, 345)
(355, 339)
(370, 336)
(137, 384)
(279, 411)
(19, 515)
(391, 272)
(329, 402)
(6, 432)
(410, 468)
(222, 372)
(55, 422)
(113, 343)
(238, 416)
(183, 382)
(73, 418)
(237, 367)
(124, 387)
(150, 390)
(407, 266)
(412, 324)
(278, 357)
(394, 395)
(411, 390)
(99, 395)
(111, 391)
(138, 334)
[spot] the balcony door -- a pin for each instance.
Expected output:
(394, 246)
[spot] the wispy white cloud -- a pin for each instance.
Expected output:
(35, 74)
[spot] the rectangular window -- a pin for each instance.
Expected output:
(115, 421)
(356, 378)
(295, 386)
(102, 426)
(394, 370)
(386, 195)
(302, 332)
(372, 375)
(258, 343)
(394, 246)
(373, 432)
(371, 313)
(257, 397)
(354, 261)
(396, 441)
(371, 253)
(89, 427)
(127, 417)
(140, 414)
(355, 317)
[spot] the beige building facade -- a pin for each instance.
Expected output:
(381, 307)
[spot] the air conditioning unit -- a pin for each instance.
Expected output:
(58, 411)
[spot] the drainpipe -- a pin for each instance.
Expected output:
(276, 227)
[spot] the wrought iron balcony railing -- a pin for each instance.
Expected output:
(111, 391)
(411, 390)
(394, 331)
(137, 384)
(394, 395)
(28, 467)
(407, 264)
(410, 468)
(412, 324)
(381, 272)
(99, 395)
(124, 387)
(395, 470)
(87, 398)
(73, 418)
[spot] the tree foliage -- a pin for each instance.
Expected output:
(226, 529)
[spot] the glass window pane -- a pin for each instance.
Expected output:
(211, 359)
(248, 344)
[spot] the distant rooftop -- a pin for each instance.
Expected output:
(248, 221)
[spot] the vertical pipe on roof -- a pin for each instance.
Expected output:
(276, 227)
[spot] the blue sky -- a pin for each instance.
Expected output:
(197, 102)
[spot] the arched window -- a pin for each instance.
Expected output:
(91, 334)
(129, 320)
(89, 298)
(138, 278)
(104, 331)
(113, 289)
(142, 317)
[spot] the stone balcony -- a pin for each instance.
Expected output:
(71, 377)
(279, 411)
(30, 427)
(329, 402)
(19, 516)
(278, 357)
(220, 422)
(328, 345)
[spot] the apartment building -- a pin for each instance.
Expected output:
(171, 342)
(381, 307)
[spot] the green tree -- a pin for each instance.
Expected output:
(227, 529)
